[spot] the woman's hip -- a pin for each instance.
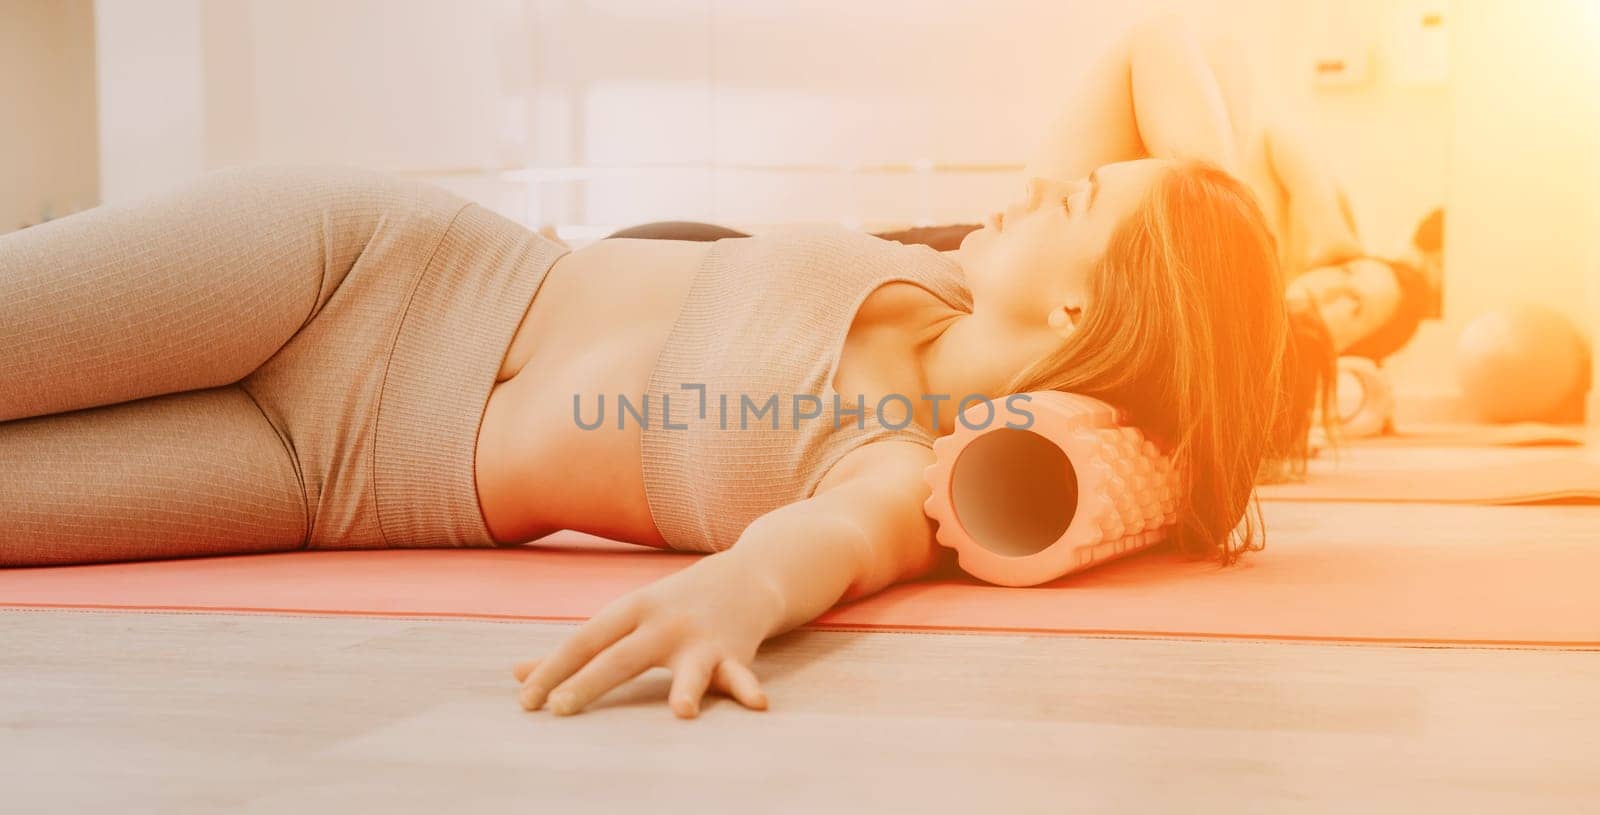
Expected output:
(384, 393)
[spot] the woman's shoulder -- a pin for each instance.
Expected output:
(895, 464)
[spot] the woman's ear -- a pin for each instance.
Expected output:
(1064, 319)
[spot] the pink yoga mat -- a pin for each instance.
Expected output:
(1448, 475)
(1371, 590)
(1466, 434)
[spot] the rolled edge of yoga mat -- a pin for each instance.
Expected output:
(1025, 503)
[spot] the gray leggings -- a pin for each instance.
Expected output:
(264, 360)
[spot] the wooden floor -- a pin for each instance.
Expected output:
(172, 713)
(126, 712)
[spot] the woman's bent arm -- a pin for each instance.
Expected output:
(1319, 215)
(1152, 93)
(862, 531)
(1177, 101)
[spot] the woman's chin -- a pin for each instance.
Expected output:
(973, 238)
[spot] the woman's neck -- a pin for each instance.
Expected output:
(959, 356)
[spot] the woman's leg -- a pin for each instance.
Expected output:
(169, 304)
(184, 474)
(192, 289)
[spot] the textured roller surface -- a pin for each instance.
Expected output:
(1126, 497)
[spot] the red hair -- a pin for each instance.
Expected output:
(1186, 331)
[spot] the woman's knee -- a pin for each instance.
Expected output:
(343, 208)
(328, 191)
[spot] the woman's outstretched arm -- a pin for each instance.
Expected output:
(862, 531)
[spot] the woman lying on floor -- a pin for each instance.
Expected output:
(273, 360)
(1161, 92)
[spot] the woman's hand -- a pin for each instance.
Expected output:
(704, 623)
(862, 531)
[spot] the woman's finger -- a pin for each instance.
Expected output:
(738, 681)
(611, 624)
(690, 677)
(522, 669)
(630, 656)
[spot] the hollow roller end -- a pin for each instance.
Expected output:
(1121, 488)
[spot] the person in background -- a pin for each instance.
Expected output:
(1160, 93)
(1371, 305)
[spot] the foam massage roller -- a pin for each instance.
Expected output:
(1076, 487)
(1364, 397)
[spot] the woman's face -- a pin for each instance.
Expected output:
(1032, 263)
(1354, 298)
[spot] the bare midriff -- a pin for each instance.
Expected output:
(596, 326)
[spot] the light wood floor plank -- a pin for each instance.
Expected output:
(130, 712)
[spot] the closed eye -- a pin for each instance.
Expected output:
(1067, 203)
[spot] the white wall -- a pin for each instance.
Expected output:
(1522, 220)
(149, 72)
(437, 88)
(48, 166)
(841, 82)
(429, 87)
(193, 85)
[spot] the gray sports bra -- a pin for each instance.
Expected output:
(741, 416)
